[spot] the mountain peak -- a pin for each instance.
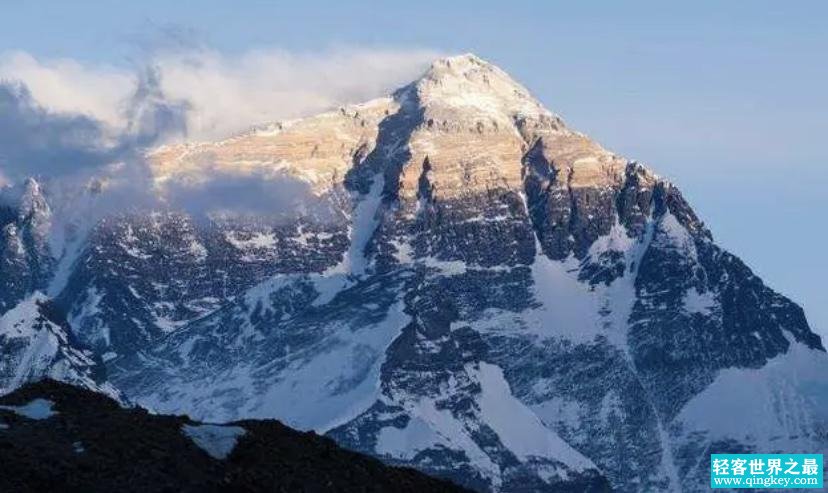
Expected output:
(33, 204)
(477, 89)
(460, 63)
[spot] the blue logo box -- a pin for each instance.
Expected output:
(765, 471)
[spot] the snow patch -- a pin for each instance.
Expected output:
(446, 267)
(39, 348)
(364, 221)
(84, 317)
(671, 231)
(403, 253)
(18, 322)
(519, 429)
(776, 407)
(324, 402)
(569, 309)
(217, 440)
(407, 442)
(702, 303)
(574, 310)
(451, 433)
(315, 389)
(38, 409)
(257, 240)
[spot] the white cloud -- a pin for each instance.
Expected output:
(73, 121)
(67, 86)
(225, 93)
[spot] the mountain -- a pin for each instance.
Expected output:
(25, 258)
(37, 343)
(447, 278)
(54, 437)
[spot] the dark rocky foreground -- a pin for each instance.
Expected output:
(91, 444)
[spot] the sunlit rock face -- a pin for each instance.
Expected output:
(319, 150)
(462, 284)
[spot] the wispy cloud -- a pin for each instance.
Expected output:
(67, 86)
(35, 141)
(71, 120)
(224, 93)
(229, 94)
(38, 140)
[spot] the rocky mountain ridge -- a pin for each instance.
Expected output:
(465, 285)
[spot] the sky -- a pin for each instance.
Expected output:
(726, 99)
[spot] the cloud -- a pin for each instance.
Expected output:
(35, 141)
(67, 86)
(229, 94)
(38, 141)
(224, 93)
(71, 120)
(255, 194)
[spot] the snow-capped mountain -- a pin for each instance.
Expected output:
(466, 286)
(37, 344)
(25, 258)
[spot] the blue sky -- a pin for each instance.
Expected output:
(727, 99)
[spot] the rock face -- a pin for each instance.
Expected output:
(56, 437)
(490, 297)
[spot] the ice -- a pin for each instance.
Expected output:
(70, 251)
(196, 249)
(572, 309)
(477, 90)
(167, 324)
(217, 440)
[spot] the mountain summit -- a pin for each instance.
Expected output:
(459, 283)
